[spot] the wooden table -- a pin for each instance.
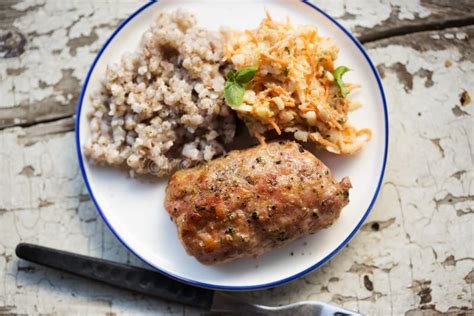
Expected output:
(413, 256)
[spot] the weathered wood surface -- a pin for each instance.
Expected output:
(413, 256)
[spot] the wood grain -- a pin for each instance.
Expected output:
(413, 255)
(443, 14)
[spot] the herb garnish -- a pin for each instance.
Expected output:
(338, 73)
(234, 88)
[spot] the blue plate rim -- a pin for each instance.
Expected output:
(224, 287)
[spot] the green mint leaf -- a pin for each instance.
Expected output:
(233, 93)
(245, 75)
(338, 73)
(230, 75)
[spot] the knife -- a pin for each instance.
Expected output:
(153, 283)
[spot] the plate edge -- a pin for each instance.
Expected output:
(225, 287)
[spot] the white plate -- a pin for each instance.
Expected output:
(133, 208)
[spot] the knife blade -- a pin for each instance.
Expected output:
(156, 284)
(116, 274)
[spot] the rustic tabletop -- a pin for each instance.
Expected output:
(413, 256)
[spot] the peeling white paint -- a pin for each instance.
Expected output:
(370, 13)
(51, 34)
(449, 36)
(461, 36)
(426, 200)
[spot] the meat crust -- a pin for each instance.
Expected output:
(254, 200)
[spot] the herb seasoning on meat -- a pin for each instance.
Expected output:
(305, 199)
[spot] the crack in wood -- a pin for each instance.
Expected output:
(362, 268)
(67, 117)
(437, 143)
(6, 309)
(450, 199)
(434, 41)
(341, 299)
(430, 310)
(452, 261)
(406, 30)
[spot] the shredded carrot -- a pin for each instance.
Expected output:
(259, 137)
(281, 90)
(352, 86)
(252, 36)
(336, 123)
(273, 124)
(275, 59)
(267, 15)
(364, 131)
(292, 65)
(322, 141)
(274, 48)
(328, 64)
(308, 77)
(258, 79)
(306, 109)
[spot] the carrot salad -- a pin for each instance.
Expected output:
(295, 87)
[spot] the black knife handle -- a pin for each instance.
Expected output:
(119, 275)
